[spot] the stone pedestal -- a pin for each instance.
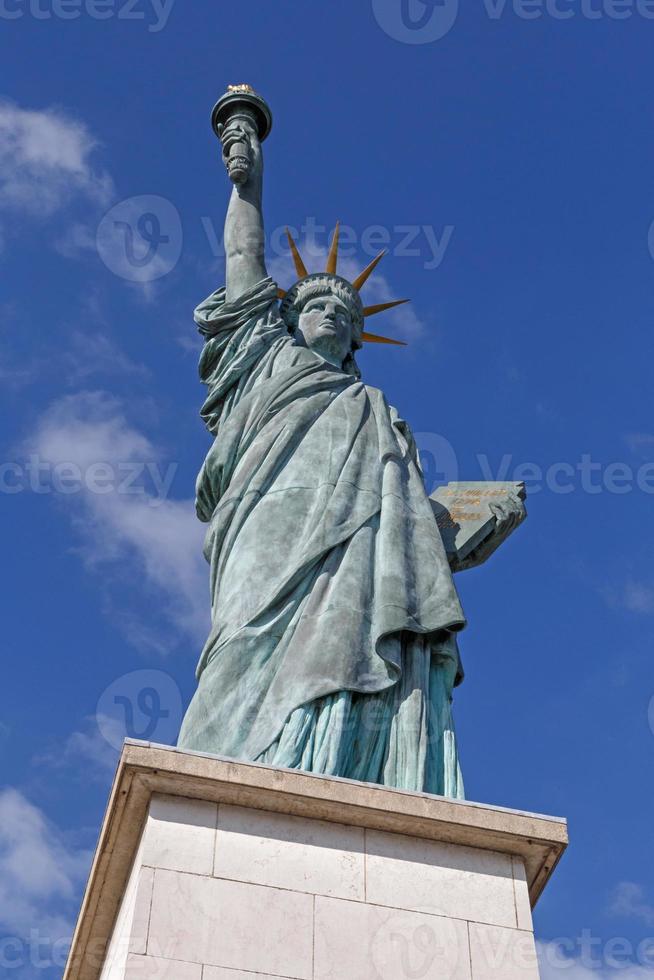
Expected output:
(209, 869)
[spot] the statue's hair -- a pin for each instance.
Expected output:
(323, 284)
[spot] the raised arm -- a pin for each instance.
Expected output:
(244, 234)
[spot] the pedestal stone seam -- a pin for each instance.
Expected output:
(516, 841)
(190, 874)
(472, 976)
(147, 933)
(337, 898)
(154, 881)
(515, 896)
(231, 969)
(169, 959)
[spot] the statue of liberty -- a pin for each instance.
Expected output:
(333, 646)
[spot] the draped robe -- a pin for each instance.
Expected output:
(334, 613)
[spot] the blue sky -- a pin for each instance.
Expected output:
(503, 153)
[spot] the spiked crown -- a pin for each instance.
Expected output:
(289, 297)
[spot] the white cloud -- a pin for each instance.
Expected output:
(87, 428)
(629, 901)
(136, 528)
(47, 169)
(40, 877)
(45, 162)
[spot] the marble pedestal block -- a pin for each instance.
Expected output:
(209, 869)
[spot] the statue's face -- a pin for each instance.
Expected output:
(325, 325)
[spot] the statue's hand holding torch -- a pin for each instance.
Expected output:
(242, 120)
(241, 149)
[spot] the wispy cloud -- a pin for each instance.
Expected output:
(15, 373)
(638, 597)
(136, 529)
(633, 596)
(48, 171)
(616, 959)
(87, 752)
(46, 163)
(190, 343)
(139, 240)
(87, 352)
(629, 901)
(95, 353)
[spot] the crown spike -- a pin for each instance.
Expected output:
(300, 267)
(373, 338)
(332, 261)
(368, 271)
(374, 310)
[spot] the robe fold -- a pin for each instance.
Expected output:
(334, 613)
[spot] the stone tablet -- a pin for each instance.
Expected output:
(469, 514)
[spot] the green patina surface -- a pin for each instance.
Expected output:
(334, 612)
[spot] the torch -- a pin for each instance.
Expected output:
(241, 102)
